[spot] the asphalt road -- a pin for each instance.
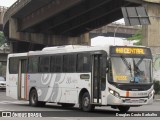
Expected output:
(59, 113)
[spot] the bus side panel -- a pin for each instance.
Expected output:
(34, 81)
(72, 86)
(60, 87)
(47, 86)
(11, 86)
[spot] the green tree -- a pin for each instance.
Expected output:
(138, 37)
(2, 38)
(157, 87)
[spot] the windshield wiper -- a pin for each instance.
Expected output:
(128, 65)
(136, 65)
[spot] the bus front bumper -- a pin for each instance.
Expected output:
(113, 100)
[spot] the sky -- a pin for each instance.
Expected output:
(7, 3)
(103, 41)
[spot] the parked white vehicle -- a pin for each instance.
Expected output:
(2, 83)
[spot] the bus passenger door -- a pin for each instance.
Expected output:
(96, 78)
(22, 80)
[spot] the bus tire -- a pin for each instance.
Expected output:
(66, 105)
(33, 98)
(123, 109)
(86, 106)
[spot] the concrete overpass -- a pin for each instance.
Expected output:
(115, 30)
(2, 11)
(33, 24)
(108, 30)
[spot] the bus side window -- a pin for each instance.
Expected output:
(53, 64)
(69, 63)
(33, 64)
(79, 63)
(59, 63)
(65, 63)
(44, 64)
(24, 66)
(13, 65)
(84, 62)
(56, 63)
(72, 63)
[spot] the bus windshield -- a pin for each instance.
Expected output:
(131, 70)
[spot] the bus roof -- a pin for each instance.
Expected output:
(61, 49)
(66, 49)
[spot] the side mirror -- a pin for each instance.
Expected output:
(107, 70)
(107, 66)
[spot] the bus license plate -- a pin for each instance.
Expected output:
(135, 101)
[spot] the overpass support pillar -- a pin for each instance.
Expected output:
(85, 39)
(80, 40)
(13, 28)
(151, 33)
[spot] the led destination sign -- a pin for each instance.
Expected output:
(130, 51)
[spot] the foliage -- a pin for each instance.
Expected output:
(138, 37)
(157, 87)
(2, 38)
(138, 43)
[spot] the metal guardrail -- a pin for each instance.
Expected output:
(118, 28)
(14, 8)
(123, 25)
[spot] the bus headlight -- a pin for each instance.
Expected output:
(111, 91)
(116, 94)
(151, 94)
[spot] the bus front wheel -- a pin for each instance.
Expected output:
(86, 106)
(123, 108)
(33, 98)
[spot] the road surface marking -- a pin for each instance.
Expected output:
(13, 102)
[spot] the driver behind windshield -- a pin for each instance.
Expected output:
(139, 75)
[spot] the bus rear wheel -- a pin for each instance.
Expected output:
(33, 99)
(123, 109)
(86, 106)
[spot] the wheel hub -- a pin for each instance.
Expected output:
(86, 101)
(33, 98)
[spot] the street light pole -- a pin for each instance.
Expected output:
(115, 30)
